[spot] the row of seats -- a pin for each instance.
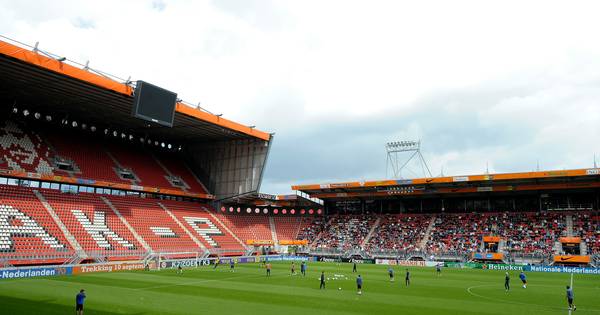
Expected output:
(23, 149)
(114, 227)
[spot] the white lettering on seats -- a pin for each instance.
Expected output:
(205, 233)
(29, 228)
(99, 231)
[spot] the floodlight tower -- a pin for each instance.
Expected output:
(400, 154)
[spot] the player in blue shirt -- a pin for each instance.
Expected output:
(570, 297)
(391, 273)
(438, 269)
(79, 299)
(407, 279)
(359, 283)
(523, 278)
(232, 265)
(303, 268)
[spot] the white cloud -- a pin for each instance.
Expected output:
(507, 83)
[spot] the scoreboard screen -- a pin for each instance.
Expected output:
(153, 103)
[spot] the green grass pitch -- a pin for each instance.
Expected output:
(249, 291)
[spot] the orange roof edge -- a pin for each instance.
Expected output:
(226, 123)
(54, 65)
(450, 179)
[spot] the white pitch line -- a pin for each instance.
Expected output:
(515, 302)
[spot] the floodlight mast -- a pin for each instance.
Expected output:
(397, 151)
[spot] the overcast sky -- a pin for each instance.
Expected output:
(508, 85)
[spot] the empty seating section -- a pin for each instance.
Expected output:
(204, 227)
(247, 227)
(27, 229)
(399, 232)
(95, 226)
(346, 232)
(23, 150)
(92, 160)
(142, 164)
(287, 228)
(176, 168)
(154, 225)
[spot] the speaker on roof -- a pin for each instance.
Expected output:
(153, 103)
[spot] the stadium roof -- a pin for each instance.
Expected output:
(46, 82)
(486, 183)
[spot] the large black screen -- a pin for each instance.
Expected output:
(154, 104)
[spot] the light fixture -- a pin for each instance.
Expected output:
(169, 146)
(115, 133)
(25, 113)
(37, 115)
(48, 118)
(162, 144)
(83, 126)
(61, 59)
(74, 124)
(105, 131)
(130, 137)
(93, 128)
(123, 135)
(15, 110)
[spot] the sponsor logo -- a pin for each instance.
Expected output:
(502, 267)
(593, 171)
(108, 267)
(484, 189)
(564, 269)
(460, 178)
(33, 272)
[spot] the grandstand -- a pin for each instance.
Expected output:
(82, 180)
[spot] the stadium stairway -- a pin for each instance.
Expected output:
(427, 237)
(569, 221)
(95, 226)
(70, 238)
(371, 232)
(216, 218)
(217, 237)
(28, 231)
(131, 229)
(190, 234)
(273, 230)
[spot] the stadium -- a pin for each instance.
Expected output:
(154, 206)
